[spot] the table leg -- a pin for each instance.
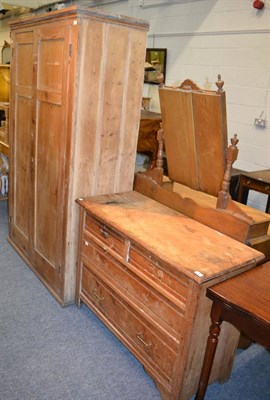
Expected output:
(210, 351)
(243, 192)
(267, 210)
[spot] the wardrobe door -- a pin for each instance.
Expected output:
(21, 141)
(51, 138)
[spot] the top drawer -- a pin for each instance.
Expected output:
(105, 234)
(160, 273)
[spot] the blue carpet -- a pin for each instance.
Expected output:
(53, 353)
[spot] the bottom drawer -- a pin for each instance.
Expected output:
(147, 343)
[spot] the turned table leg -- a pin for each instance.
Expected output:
(210, 351)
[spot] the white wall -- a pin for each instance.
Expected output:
(205, 38)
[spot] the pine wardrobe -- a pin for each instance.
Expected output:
(76, 89)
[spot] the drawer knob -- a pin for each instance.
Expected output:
(267, 187)
(140, 337)
(104, 233)
(248, 182)
(97, 295)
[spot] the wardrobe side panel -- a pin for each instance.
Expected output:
(107, 100)
(109, 103)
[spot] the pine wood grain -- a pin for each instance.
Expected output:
(76, 88)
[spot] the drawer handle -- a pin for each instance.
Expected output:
(267, 187)
(97, 295)
(139, 336)
(248, 182)
(103, 233)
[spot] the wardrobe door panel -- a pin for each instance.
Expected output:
(21, 139)
(48, 181)
(50, 145)
(51, 52)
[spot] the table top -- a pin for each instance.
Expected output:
(248, 292)
(200, 252)
(145, 114)
(263, 175)
(236, 171)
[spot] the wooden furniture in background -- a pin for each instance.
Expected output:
(4, 82)
(235, 176)
(143, 269)
(4, 123)
(200, 161)
(243, 301)
(147, 140)
(4, 149)
(76, 87)
(146, 103)
(258, 181)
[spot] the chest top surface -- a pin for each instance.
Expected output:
(200, 252)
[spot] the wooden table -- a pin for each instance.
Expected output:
(258, 181)
(243, 301)
(147, 141)
(235, 177)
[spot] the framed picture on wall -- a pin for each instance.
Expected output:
(155, 66)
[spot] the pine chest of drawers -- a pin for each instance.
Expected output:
(143, 269)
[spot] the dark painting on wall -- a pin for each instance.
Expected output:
(155, 66)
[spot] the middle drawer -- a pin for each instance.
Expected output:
(121, 279)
